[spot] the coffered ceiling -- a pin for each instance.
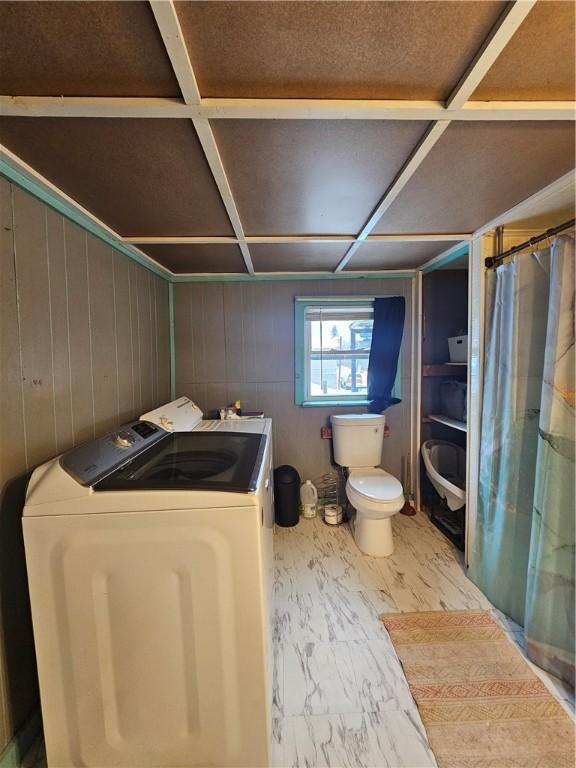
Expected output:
(234, 137)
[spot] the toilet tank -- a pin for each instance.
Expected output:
(358, 439)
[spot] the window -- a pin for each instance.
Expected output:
(333, 339)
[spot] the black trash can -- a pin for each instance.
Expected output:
(286, 496)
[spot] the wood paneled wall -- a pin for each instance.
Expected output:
(84, 335)
(236, 340)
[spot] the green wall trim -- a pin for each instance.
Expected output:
(299, 353)
(448, 259)
(389, 275)
(23, 739)
(172, 341)
(35, 187)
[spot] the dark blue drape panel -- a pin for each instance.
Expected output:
(386, 340)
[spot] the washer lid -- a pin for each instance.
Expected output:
(358, 420)
(187, 461)
(375, 484)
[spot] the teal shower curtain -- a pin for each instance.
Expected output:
(522, 555)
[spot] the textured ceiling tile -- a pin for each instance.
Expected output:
(538, 63)
(477, 171)
(387, 50)
(386, 255)
(197, 258)
(82, 49)
(299, 177)
(297, 257)
(141, 177)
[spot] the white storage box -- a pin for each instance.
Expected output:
(458, 348)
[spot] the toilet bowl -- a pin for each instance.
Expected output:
(375, 494)
(446, 469)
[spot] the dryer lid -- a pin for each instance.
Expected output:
(181, 415)
(375, 484)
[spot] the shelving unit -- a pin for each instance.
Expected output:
(444, 315)
(447, 421)
(444, 369)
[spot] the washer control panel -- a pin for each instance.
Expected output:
(92, 461)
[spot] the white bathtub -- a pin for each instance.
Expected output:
(446, 468)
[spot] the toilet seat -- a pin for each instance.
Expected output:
(375, 492)
(375, 484)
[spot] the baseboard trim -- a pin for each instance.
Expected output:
(23, 739)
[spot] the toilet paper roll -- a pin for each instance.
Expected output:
(333, 514)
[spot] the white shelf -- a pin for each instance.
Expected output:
(454, 423)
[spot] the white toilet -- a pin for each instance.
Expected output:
(374, 493)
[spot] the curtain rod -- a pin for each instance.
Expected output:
(493, 261)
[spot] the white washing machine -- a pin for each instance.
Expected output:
(149, 559)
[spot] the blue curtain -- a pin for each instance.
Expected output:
(522, 553)
(384, 352)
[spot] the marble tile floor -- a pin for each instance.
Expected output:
(340, 696)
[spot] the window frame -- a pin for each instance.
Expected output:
(302, 351)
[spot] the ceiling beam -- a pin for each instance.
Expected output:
(378, 109)
(220, 277)
(208, 142)
(184, 240)
(455, 251)
(420, 238)
(292, 239)
(171, 32)
(557, 195)
(500, 35)
(514, 110)
(280, 109)
(259, 239)
(431, 136)
(420, 151)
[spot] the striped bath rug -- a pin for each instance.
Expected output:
(481, 704)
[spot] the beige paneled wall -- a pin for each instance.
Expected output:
(236, 340)
(84, 346)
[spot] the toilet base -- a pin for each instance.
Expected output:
(374, 537)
